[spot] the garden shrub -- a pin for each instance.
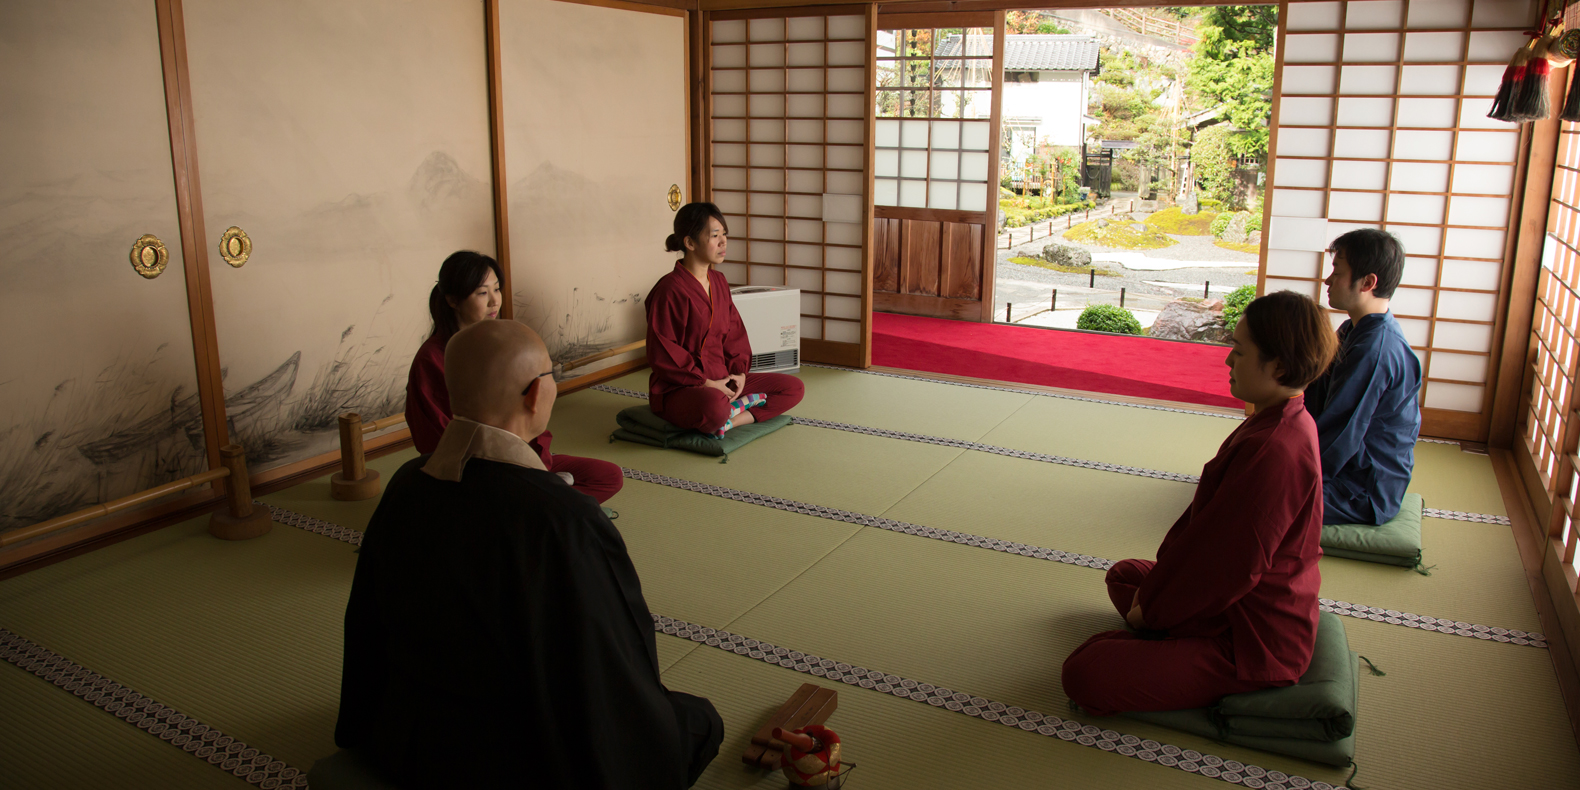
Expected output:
(1234, 305)
(1220, 223)
(1108, 318)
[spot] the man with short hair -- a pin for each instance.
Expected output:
(496, 633)
(1366, 408)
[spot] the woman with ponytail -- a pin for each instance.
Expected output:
(696, 343)
(468, 291)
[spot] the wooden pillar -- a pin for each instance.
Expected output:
(354, 482)
(238, 520)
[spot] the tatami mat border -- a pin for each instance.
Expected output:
(1089, 735)
(166, 723)
(1180, 477)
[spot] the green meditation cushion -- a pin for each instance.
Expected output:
(640, 424)
(1397, 542)
(344, 770)
(1313, 719)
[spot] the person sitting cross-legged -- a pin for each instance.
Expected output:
(496, 633)
(1230, 605)
(1365, 405)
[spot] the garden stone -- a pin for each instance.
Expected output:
(1182, 320)
(1141, 226)
(1190, 205)
(1235, 233)
(1215, 305)
(1254, 238)
(1067, 255)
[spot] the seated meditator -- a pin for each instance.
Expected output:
(468, 291)
(1368, 418)
(496, 633)
(1230, 605)
(696, 343)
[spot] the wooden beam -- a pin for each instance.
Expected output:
(868, 215)
(194, 244)
(1555, 606)
(900, 20)
(666, 7)
(496, 148)
(995, 137)
(1272, 154)
(1517, 300)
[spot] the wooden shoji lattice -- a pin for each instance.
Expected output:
(788, 98)
(1549, 428)
(934, 118)
(1381, 123)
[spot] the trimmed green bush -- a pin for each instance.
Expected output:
(1220, 223)
(1020, 212)
(1234, 305)
(1108, 318)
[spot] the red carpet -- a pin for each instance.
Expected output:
(1115, 364)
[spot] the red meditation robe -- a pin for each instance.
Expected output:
(1243, 557)
(428, 401)
(692, 335)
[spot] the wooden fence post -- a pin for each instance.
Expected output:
(354, 482)
(239, 519)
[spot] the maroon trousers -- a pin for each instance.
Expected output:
(597, 479)
(706, 409)
(1118, 672)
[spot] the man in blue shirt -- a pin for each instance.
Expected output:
(1366, 408)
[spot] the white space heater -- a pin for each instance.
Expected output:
(772, 316)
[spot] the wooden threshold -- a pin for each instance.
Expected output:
(1562, 633)
(1125, 399)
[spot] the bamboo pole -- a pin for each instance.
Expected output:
(613, 352)
(113, 506)
(387, 422)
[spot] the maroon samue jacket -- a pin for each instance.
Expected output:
(428, 401)
(692, 335)
(1243, 557)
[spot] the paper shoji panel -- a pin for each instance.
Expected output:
(1557, 318)
(1382, 124)
(934, 97)
(789, 104)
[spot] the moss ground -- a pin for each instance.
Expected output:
(1173, 221)
(1124, 235)
(1059, 267)
(1253, 249)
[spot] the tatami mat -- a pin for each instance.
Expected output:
(899, 744)
(1170, 441)
(244, 636)
(50, 740)
(831, 468)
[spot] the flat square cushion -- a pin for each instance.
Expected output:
(344, 770)
(1313, 719)
(640, 424)
(1397, 542)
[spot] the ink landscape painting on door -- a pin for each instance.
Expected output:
(349, 141)
(98, 395)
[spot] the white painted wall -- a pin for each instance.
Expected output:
(1058, 98)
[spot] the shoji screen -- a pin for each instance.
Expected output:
(788, 99)
(1381, 123)
(942, 75)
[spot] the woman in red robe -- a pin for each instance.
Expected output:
(696, 343)
(468, 291)
(1230, 605)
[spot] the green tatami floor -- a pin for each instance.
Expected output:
(246, 636)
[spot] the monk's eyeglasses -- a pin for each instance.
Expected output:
(535, 380)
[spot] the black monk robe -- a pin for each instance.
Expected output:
(497, 635)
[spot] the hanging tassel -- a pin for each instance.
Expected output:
(1503, 103)
(1424, 570)
(1373, 668)
(1561, 53)
(1530, 98)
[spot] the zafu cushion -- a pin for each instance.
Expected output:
(640, 424)
(1397, 542)
(1313, 719)
(344, 770)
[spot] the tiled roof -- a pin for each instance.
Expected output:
(1031, 52)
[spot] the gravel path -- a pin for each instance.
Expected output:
(1031, 285)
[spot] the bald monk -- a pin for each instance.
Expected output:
(1230, 605)
(496, 633)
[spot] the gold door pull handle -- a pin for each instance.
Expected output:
(149, 256)
(234, 246)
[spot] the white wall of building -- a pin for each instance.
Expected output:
(1058, 98)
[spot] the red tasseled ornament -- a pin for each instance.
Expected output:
(1503, 103)
(1530, 98)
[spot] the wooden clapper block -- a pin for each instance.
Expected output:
(808, 705)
